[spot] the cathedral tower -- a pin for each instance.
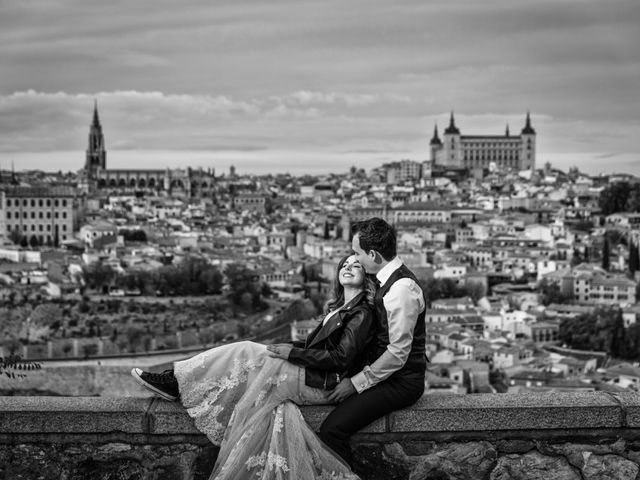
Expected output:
(96, 154)
(452, 155)
(528, 153)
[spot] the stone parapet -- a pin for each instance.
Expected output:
(495, 436)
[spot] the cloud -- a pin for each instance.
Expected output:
(364, 75)
(306, 97)
(40, 121)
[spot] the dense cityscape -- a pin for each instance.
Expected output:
(529, 271)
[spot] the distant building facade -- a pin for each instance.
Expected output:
(185, 183)
(402, 171)
(516, 152)
(41, 215)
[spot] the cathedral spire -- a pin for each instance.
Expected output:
(436, 139)
(528, 129)
(452, 129)
(96, 119)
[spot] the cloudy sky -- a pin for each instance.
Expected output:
(315, 85)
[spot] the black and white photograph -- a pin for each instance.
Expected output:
(319, 240)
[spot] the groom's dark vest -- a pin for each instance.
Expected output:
(417, 361)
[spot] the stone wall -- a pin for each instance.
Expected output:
(547, 436)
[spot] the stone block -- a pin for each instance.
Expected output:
(451, 460)
(514, 446)
(533, 466)
(315, 415)
(608, 467)
(630, 402)
(92, 415)
(493, 412)
(170, 418)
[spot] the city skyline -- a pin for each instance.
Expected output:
(310, 87)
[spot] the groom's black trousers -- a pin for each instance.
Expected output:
(398, 391)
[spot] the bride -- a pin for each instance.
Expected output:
(243, 395)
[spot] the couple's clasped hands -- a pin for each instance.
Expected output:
(339, 394)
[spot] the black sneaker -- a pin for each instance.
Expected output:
(163, 384)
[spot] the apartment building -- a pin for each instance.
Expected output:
(42, 215)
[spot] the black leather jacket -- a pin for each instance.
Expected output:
(336, 350)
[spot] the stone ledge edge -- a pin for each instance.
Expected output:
(434, 413)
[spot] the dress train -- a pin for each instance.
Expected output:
(245, 402)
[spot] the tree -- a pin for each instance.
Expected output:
(475, 290)
(605, 254)
(617, 344)
(240, 280)
(551, 292)
(89, 350)
(614, 197)
(134, 336)
(634, 259)
(602, 330)
(98, 275)
(66, 348)
(435, 289)
(15, 236)
(633, 200)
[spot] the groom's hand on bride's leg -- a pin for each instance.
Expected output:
(342, 391)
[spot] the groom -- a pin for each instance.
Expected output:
(394, 378)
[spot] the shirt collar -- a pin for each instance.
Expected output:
(386, 271)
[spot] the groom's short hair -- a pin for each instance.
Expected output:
(376, 234)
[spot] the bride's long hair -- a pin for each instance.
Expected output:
(337, 295)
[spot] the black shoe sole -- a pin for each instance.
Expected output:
(136, 376)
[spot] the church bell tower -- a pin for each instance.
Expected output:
(96, 154)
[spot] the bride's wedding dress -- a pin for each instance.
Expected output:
(245, 402)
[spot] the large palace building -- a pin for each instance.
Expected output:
(515, 152)
(184, 183)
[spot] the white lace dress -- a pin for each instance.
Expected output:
(241, 398)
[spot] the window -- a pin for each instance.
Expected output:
(64, 214)
(48, 202)
(8, 215)
(40, 203)
(55, 214)
(24, 202)
(33, 202)
(33, 214)
(48, 214)
(64, 202)
(55, 203)
(8, 202)
(39, 214)
(64, 228)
